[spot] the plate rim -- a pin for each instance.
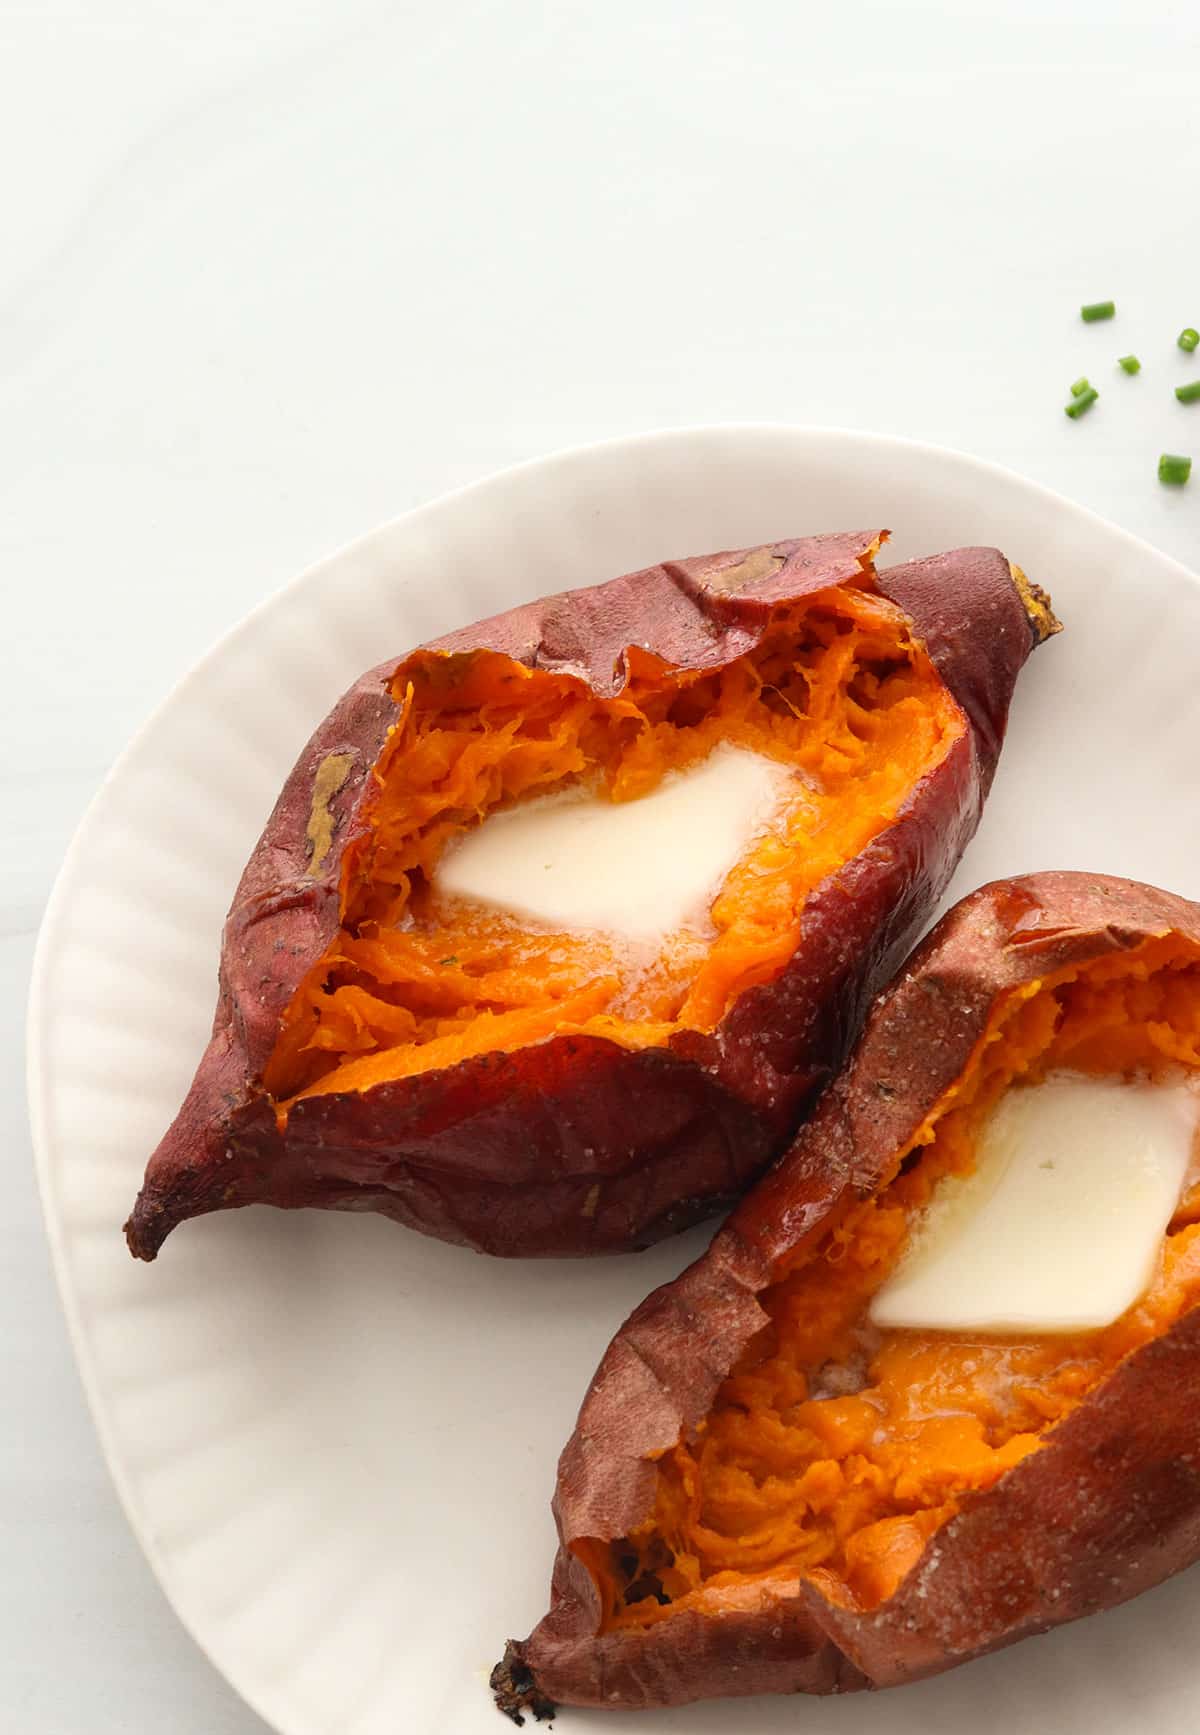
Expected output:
(38, 1071)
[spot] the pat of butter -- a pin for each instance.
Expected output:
(1058, 1227)
(639, 868)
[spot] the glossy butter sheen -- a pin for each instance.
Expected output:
(1059, 1226)
(640, 869)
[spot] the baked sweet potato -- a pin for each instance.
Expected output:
(377, 1048)
(766, 1493)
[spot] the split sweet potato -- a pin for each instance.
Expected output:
(514, 1089)
(764, 1493)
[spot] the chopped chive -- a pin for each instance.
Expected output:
(1188, 338)
(1083, 402)
(1174, 469)
(1081, 385)
(1094, 310)
(1189, 393)
(1130, 363)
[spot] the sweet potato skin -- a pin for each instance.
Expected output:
(1107, 1508)
(577, 1146)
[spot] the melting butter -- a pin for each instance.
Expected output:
(1058, 1227)
(639, 869)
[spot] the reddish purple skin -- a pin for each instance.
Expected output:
(575, 1145)
(1108, 1508)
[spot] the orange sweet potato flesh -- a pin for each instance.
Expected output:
(521, 1091)
(766, 1494)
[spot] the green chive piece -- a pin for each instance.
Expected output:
(1188, 338)
(1189, 393)
(1174, 469)
(1130, 363)
(1081, 385)
(1083, 402)
(1095, 310)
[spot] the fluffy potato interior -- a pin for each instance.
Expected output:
(838, 690)
(834, 1450)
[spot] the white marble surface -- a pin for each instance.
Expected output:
(274, 270)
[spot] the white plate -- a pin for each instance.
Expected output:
(336, 1440)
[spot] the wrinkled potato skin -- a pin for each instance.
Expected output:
(1107, 1508)
(577, 1146)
